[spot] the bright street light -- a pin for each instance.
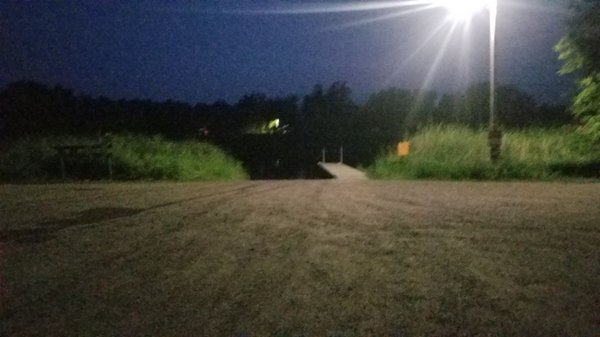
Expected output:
(459, 11)
(463, 11)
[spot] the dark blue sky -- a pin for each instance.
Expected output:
(201, 51)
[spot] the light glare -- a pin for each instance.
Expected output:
(463, 10)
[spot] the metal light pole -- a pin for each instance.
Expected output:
(463, 10)
(494, 135)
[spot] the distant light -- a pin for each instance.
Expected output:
(463, 10)
(274, 124)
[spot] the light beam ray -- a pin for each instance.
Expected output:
(379, 18)
(430, 74)
(340, 8)
(438, 58)
(416, 52)
(465, 53)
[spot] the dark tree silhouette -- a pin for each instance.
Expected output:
(515, 108)
(328, 117)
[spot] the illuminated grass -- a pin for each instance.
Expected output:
(455, 152)
(133, 157)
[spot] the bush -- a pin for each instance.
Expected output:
(457, 152)
(133, 157)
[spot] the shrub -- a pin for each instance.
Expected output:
(457, 152)
(133, 157)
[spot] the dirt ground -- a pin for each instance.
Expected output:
(300, 258)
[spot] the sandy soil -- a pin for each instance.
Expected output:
(291, 258)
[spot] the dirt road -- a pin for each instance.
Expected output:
(291, 258)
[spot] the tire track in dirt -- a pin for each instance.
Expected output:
(215, 199)
(110, 200)
(47, 228)
(321, 255)
(100, 191)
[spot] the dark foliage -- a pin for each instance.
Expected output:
(579, 50)
(326, 118)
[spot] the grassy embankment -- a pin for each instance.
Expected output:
(133, 158)
(455, 152)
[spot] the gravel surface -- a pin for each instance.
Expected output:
(291, 258)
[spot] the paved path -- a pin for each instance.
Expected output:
(342, 171)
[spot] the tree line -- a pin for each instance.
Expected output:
(327, 116)
(31, 108)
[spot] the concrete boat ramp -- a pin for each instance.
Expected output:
(342, 171)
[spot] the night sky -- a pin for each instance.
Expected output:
(202, 51)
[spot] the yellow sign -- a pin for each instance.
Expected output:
(403, 149)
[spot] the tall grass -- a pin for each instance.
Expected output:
(133, 158)
(456, 152)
